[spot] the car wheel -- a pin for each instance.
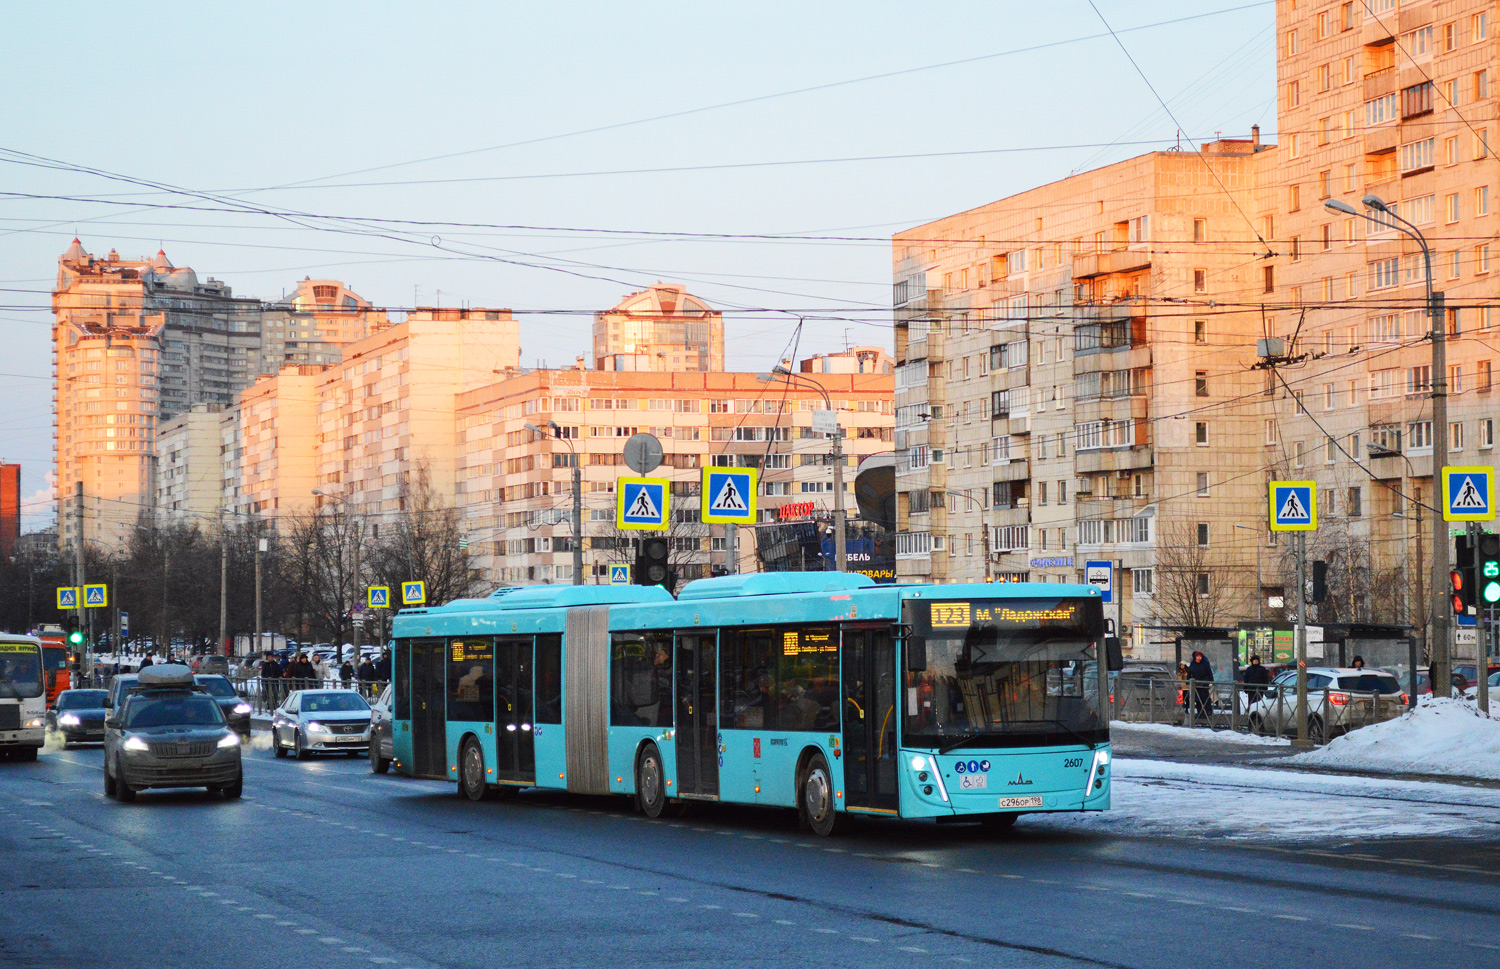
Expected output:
(1315, 727)
(276, 747)
(1257, 725)
(378, 764)
(123, 790)
(650, 783)
(234, 790)
(302, 752)
(815, 799)
(471, 782)
(111, 788)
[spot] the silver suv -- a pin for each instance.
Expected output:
(1338, 699)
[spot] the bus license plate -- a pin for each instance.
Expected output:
(974, 782)
(1020, 802)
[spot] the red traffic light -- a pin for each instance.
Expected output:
(1456, 577)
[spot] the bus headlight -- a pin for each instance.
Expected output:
(1096, 773)
(35, 722)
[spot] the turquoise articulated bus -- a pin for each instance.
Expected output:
(815, 690)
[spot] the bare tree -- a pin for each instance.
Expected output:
(426, 543)
(318, 568)
(1193, 583)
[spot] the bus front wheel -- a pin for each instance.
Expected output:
(650, 783)
(471, 779)
(815, 799)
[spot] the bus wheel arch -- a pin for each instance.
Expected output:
(650, 780)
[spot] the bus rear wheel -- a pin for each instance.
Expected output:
(650, 783)
(815, 799)
(471, 782)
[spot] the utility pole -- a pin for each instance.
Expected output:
(79, 578)
(1302, 739)
(260, 546)
(359, 625)
(223, 586)
(731, 553)
(840, 553)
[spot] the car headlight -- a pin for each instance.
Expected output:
(229, 740)
(136, 743)
(68, 720)
(242, 708)
(313, 725)
(36, 722)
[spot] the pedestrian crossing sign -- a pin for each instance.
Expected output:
(1294, 506)
(95, 596)
(414, 593)
(641, 504)
(729, 496)
(1469, 493)
(67, 597)
(380, 596)
(619, 574)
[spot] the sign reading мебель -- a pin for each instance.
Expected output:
(1294, 506)
(1469, 494)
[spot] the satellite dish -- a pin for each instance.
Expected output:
(875, 489)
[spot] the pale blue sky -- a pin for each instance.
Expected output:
(235, 98)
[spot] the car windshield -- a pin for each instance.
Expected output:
(80, 699)
(217, 685)
(1370, 683)
(20, 670)
(333, 703)
(1002, 669)
(191, 710)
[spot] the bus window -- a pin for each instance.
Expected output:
(640, 678)
(471, 680)
(549, 678)
(748, 660)
(807, 684)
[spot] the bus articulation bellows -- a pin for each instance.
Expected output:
(821, 691)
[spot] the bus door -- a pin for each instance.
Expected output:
(697, 714)
(515, 750)
(429, 715)
(869, 689)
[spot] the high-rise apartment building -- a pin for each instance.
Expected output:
(137, 342)
(1395, 100)
(1074, 383)
(189, 466)
(10, 509)
(275, 430)
(516, 489)
(388, 407)
(661, 329)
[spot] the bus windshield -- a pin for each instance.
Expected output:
(1016, 672)
(20, 670)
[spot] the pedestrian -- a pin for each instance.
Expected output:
(346, 673)
(1202, 676)
(270, 676)
(1359, 662)
(367, 676)
(145, 662)
(383, 667)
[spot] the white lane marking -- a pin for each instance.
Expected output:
(263, 915)
(1357, 928)
(676, 899)
(746, 915)
(330, 940)
(784, 922)
(306, 931)
(710, 906)
(1418, 935)
(862, 938)
(911, 948)
(1291, 918)
(827, 931)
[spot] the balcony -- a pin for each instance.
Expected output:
(1087, 265)
(1380, 84)
(1137, 458)
(1129, 356)
(1112, 408)
(1003, 517)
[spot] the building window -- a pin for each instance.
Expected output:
(1200, 383)
(1203, 585)
(1203, 534)
(1200, 281)
(1200, 332)
(1483, 376)
(1456, 436)
(1200, 433)
(1268, 278)
(1141, 582)
(1487, 432)
(1200, 230)
(1202, 484)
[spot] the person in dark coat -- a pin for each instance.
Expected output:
(1359, 663)
(1202, 676)
(346, 673)
(145, 662)
(367, 676)
(383, 667)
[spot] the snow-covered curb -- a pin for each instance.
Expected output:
(1442, 736)
(1198, 733)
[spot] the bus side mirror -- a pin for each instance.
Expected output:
(1114, 657)
(916, 655)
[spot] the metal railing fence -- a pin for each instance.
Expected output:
(1251, 709)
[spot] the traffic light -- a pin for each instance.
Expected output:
(1319, 581)
(1462, 577)
(1487, 569)
(651, 567)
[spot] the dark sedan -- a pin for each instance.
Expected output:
(78, 715)
(236, 710)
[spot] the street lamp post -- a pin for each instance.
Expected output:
(1440, 665)
(840, 551)
(577, 496)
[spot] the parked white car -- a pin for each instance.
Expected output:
(321, 721)
(1344, 697)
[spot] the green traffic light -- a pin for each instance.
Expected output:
(1490, 592)
(75, 638)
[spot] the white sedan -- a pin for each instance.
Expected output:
(321, 721)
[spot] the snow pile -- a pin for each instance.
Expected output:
(1442, 736)
(1197, 733)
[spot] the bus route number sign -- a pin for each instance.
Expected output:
(950, 615)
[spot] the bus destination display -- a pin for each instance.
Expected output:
(1059, 614)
